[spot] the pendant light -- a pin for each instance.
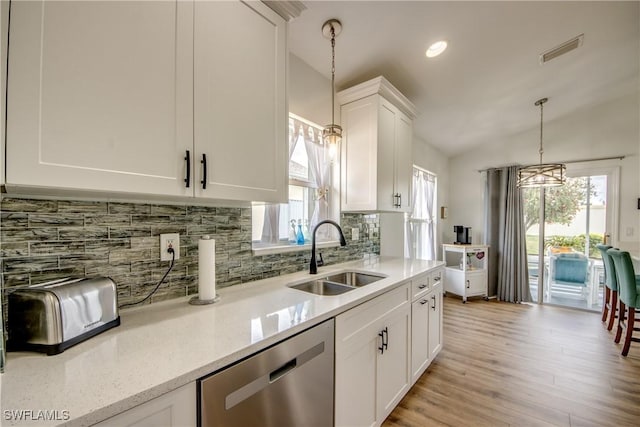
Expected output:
(332, 134)
(542, 174)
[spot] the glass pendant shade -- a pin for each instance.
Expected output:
(332, 134)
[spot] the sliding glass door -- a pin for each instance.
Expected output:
(564, 224)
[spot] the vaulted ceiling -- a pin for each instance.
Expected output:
(483, 87)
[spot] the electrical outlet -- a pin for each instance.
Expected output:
(169, 240)
(355, 234)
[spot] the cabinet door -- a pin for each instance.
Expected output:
(387, 123)
(393, 371)
(403, 161)
(359, 157)
(420, 314)
(476, 283)
(355, 385)
(174, 409)
(240, 117)
(364, 387)
(435, 322)
(100, 96)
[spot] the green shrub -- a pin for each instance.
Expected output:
(576, 242)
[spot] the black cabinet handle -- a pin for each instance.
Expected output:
(204, 171)
(399, 200)
(422, 286)
(433, 297)
(385, 342)
(468, 284)
(187, 179)
(423, 302)
(384, 339)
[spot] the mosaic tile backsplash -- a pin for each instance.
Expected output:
(42, 240)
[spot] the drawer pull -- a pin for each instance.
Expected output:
(423, 302)
(422, 286)
(433, 297)
(468, 284)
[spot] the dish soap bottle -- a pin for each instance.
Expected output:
(292, 232)
(300, 235)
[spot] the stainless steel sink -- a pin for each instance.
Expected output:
(322, 287)
(337, 283)
(354, 278)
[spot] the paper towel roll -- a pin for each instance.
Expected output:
(206, 268)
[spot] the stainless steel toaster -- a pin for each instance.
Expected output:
(53, 316)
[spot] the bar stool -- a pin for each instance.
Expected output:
(629, 292)
(610, 294)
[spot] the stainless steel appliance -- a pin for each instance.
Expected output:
(54, 316)
(288, 384)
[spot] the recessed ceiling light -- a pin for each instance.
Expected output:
(436, 49)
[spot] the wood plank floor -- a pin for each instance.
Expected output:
(508, 364)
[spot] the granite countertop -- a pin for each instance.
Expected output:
(160, 347)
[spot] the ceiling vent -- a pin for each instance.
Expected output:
(565, 47)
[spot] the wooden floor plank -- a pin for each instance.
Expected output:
(524, 365)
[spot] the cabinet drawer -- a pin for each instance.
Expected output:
(368, 314)
(420, 285)
(436, 277)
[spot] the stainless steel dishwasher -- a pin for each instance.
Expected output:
(288, 384)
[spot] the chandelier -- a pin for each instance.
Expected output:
(542, 174)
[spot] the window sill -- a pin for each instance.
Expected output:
(259, 249)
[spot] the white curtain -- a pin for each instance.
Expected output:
(319, 171)
(319, 177)
(271, 224)
(420, 230)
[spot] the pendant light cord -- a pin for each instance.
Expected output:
(541, 150)
(333, 72)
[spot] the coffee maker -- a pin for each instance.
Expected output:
(463, 235)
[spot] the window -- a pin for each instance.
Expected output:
(421, 222)
(310, 192)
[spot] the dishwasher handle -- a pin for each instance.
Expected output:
(276, 374)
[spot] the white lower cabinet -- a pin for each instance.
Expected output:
(174, 409)
(372, 358)
(426, 324)
(435, 322)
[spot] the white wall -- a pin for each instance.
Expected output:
(309, 92)
(604, 130)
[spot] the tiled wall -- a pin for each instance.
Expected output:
(42, 240)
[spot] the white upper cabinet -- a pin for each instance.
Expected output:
(377, 123)
(240, 116)
(98, 96)
(111, 95)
